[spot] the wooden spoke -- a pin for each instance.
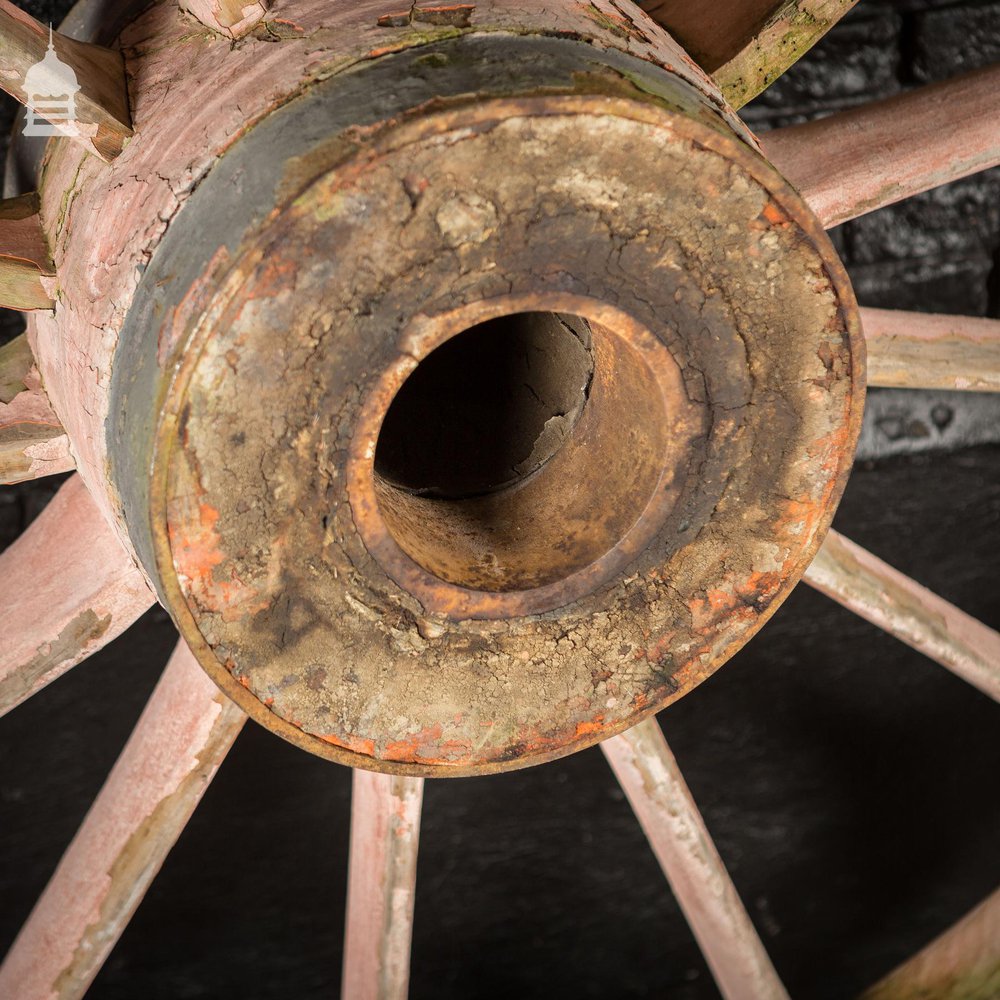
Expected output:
(101, 118)
(859, 160)
(232, 18)
(649, 775)
(921, 351)
(24, 256)
(67, 588)
(962, 964)
(181, 738)
(32, 441)
(747, 44)
(385, 829)
(788, 33)
(898, 605)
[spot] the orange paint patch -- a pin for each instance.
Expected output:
(194, 544)
(356, 744)
(760, 587)
(656, 652)
(596, 725)
(774, 215)
(416, 746)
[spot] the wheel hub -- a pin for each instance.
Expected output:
(481, 401)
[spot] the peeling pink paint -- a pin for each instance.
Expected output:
(385, 830)
(181, 738)
(69, 588)
(650, 778)
(880, 153)
(900, 606)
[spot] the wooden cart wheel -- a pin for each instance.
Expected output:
(469, 383)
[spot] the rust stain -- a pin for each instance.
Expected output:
(356, 744)
(176, 327)
(422, 745)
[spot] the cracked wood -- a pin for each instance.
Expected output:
(25, 263)
(232, 18)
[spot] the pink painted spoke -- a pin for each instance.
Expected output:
(863, 159)
(923, 351)
(648, 773)
(962, 964)
(181, 738)
(385, 829)
(898, 605)
(67, 588)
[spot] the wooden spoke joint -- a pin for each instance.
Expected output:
(32, 440)
(26, 269)
(232, 18)
(81, 89)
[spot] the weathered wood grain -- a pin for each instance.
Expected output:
(900, 606)
(865, 158)
(32, 440)
(923, 351)
(103, 123)
(791, 29)
(655, 787)
(747, 44)
(232, 18)
(962, 964)
(385, 831)
(180, 740)
(24, 256)
(67, 588)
